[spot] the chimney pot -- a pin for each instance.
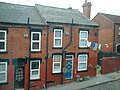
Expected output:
(70, 8)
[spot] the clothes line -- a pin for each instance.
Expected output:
(96, 46)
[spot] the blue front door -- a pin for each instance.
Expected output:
(69, 69)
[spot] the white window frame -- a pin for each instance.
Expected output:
(85, 46)
(57, 70)
(33, 77)
(119, 31)
(38, 41)
(55, 38)
(81, 62)
(5, 41)
(4, 81)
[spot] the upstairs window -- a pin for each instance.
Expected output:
(58, 38)
(35, 41)
(57, 63)
(82, 62)
(35, 69)
(83, 39)
(119, 31)
(3, 72)
(3, 40)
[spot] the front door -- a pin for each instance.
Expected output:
(19, 77)
(69, 67)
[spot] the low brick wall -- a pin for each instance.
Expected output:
(110, 64)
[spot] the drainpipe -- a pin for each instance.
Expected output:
(114, 38)
(64, 50)
(46, 57)
(29, 58)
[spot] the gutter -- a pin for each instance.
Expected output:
(82, 24)
(64, 50)
(12, 23)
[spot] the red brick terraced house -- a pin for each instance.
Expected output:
(109, 38)
(109, 31)
(42, 46)
(22, 43)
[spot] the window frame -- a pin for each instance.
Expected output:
(57, 70)
(81, 62)
(56, 38)
(117, 48)
(4, 81)
(85, 46)
(119, 31)
(34, 77)
(39, 41)
(5, 41)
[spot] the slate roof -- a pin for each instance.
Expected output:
(14, 13)
(62, 15)
(41, 15)
(113, 18)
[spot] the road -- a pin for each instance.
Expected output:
(114, 85)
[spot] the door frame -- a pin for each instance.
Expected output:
(19, 62)
(68, 58)
(23, 67)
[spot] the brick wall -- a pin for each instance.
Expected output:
(105, 35)
(110, 64)
(10, 84)
(18, 47)
(74, 48)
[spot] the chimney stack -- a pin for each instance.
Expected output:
(87, 9)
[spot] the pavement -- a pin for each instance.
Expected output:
(99, 79)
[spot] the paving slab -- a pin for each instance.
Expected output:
(99, 79)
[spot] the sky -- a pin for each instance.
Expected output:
(102, 6)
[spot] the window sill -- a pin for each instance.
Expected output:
(5, 83)
(35, 79)
(3, 52)
(36, 51)
(82, 71)
(57, 48)
(56, 73)
(83, 48)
